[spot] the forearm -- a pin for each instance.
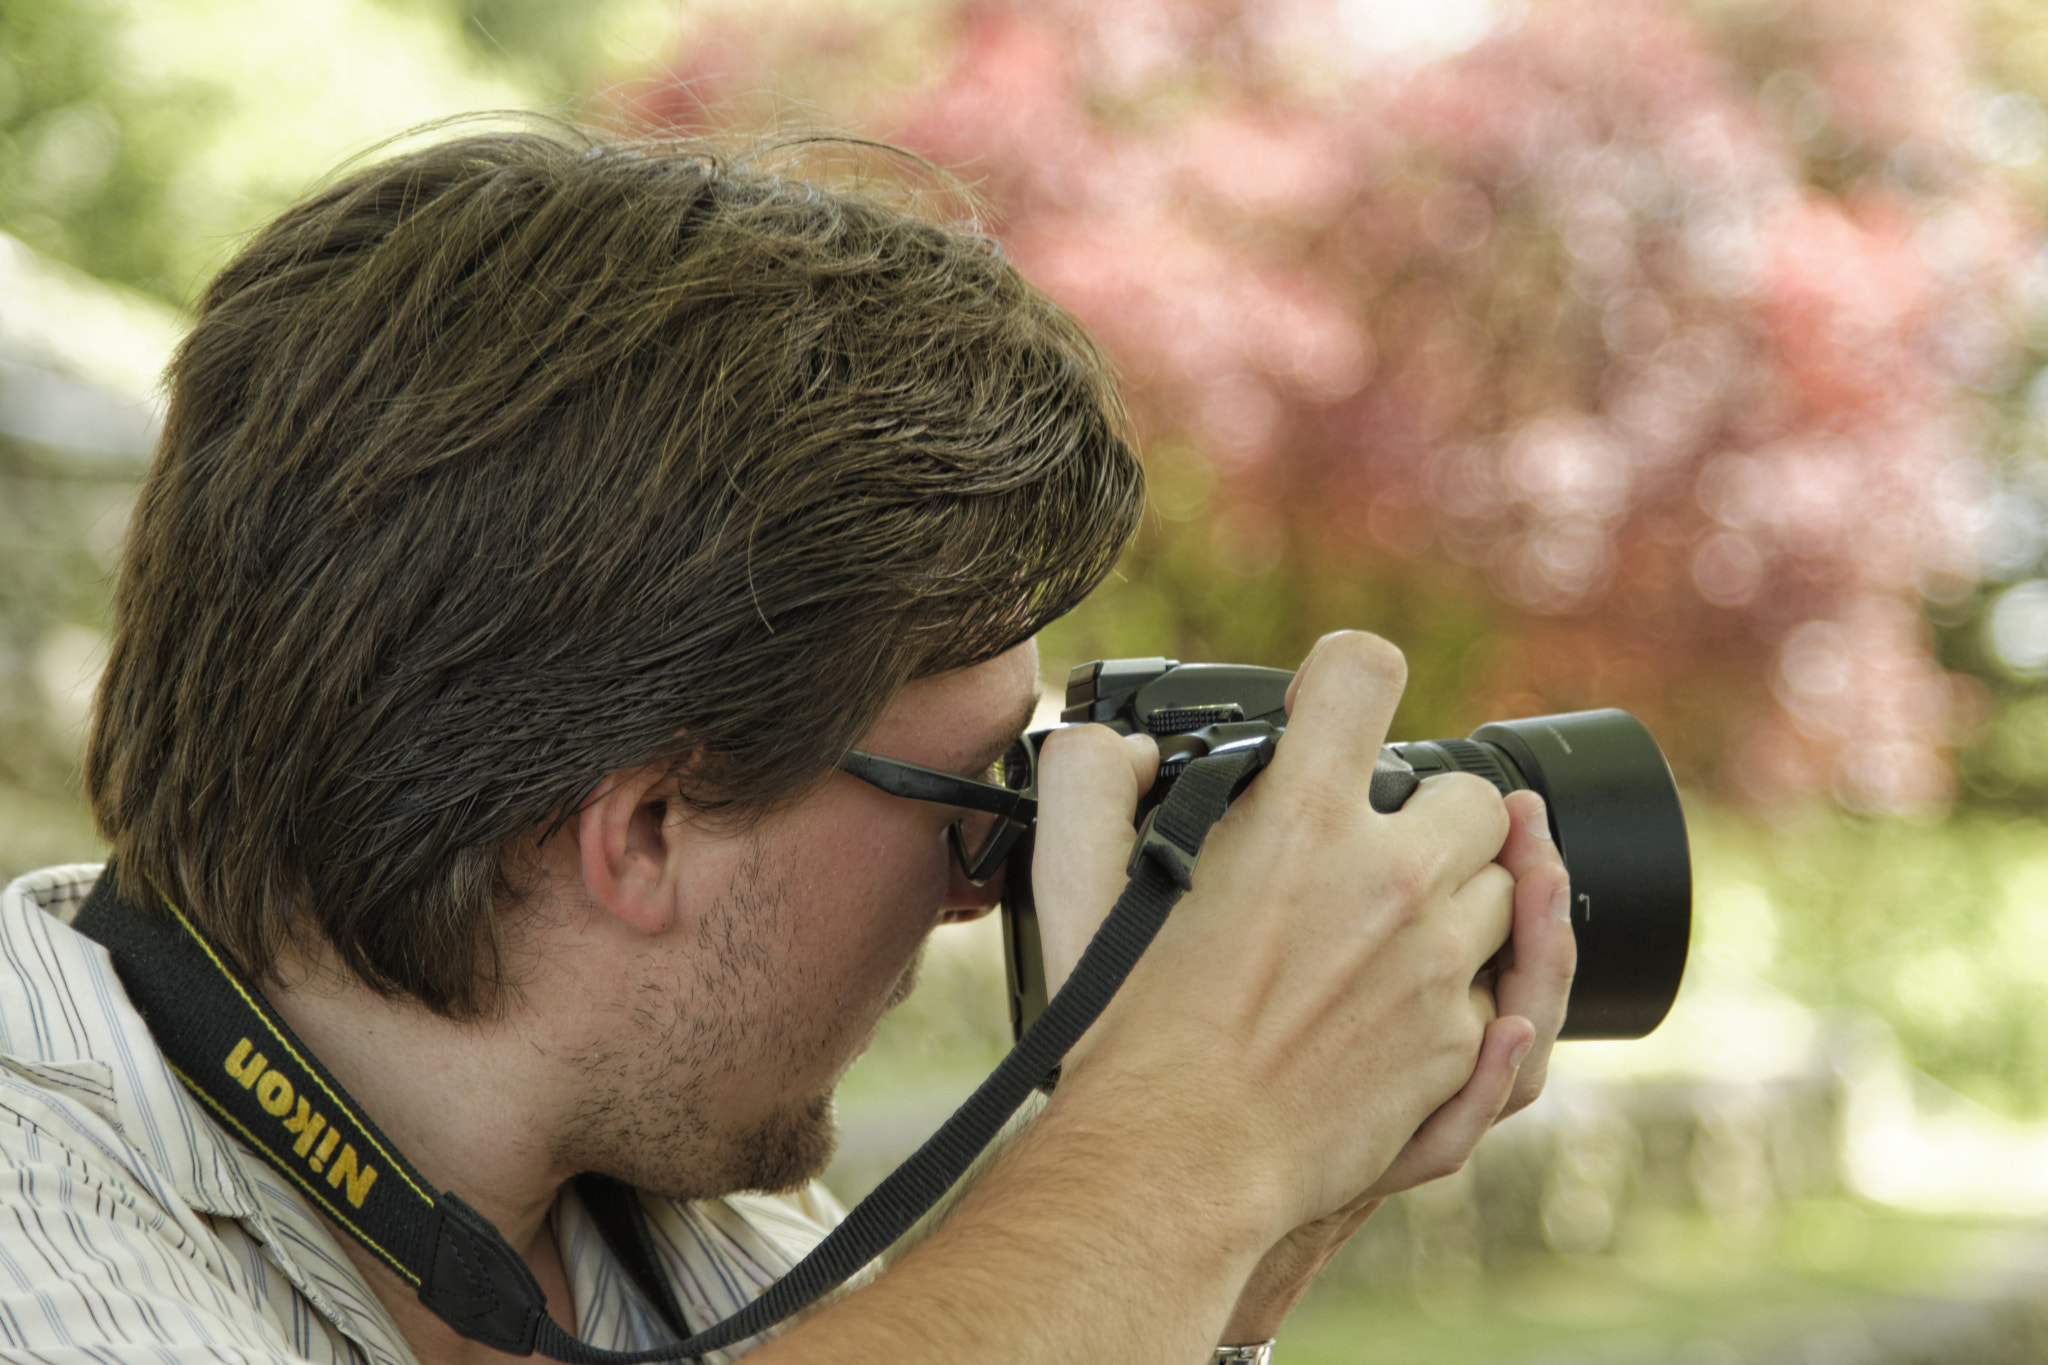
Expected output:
(1093, 1238)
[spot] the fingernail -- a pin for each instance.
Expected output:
(1521, 1051)
(1561, 903)
(1538, 821)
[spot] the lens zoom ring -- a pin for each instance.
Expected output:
(1479, 760)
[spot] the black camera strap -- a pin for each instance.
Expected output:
(226, 1044)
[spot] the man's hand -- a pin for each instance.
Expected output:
(1410, 901)
(1534, 978)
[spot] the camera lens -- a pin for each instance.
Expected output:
(1613, 809)
(1615, 814)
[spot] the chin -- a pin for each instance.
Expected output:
(783, 1151)
(789, 1150)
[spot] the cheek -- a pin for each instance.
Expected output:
(890, 851)
(872, 885)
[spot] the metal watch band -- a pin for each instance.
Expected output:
(1258, 1353)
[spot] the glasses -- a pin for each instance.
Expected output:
(1001, 811)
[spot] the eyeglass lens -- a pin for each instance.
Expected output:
(982, 840)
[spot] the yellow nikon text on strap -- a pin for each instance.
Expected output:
(274, 1092)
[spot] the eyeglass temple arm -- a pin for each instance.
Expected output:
(920, 783)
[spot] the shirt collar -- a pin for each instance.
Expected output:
(72, 1013)
(71, 1024)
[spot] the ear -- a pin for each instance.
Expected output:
(625, 839)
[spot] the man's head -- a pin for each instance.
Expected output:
(522, 460)
(705, 988)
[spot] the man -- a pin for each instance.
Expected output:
(536, 525)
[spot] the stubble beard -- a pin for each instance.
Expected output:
(649, 1117)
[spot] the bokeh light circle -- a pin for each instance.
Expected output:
(2017, 628)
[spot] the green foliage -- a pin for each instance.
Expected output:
(51, 574)
(42, 831)
(557, 48)
(1213, 580)
(87, 152)
(1937, 929)
(2006, 764)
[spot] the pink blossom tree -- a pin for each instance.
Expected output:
(1618, 359)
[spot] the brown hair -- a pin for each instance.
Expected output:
(510, 462)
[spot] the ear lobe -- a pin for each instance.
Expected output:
(627, 857)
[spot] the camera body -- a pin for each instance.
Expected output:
(1613, 809)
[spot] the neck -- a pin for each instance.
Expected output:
(466, 1103)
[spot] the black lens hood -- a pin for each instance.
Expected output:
(1615, 813)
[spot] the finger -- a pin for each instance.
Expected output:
(1456, 822)
(1089, 782)
(1445, 1141)
(1339, 706)
(1528, 844)
(1536, 982)
(1483, 919)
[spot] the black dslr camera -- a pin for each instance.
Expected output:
(1613, 810)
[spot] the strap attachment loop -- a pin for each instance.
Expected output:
(476, 1283)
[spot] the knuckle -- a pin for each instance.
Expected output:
(1560, 960)
(1495, 882)
(1463, 800)
(1481, 798)
(1405, 887)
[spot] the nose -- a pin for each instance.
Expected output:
(964, 900)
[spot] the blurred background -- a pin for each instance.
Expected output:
(1679, 355)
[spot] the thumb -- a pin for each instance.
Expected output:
(1089, 782)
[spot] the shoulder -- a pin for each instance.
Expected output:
(79, 1070)
(55, 1024)
(129, 1221)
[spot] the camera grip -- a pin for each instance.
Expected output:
(1393, 782)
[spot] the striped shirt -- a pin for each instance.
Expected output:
(133, 1228)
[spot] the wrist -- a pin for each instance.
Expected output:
(1287, 1271)
(1208, 1183)
(1088, 1209)
(1268, 1297)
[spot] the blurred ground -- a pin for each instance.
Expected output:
(1756, 1183)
